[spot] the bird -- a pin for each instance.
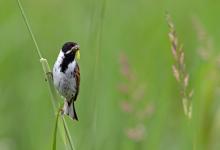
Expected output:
(66, 77)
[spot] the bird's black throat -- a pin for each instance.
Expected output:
(68, 58)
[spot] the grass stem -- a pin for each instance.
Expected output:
(29, 28)
(54, 146)
(66, 129)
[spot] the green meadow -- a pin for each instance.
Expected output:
(131, 95)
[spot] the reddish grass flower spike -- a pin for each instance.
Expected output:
(134, 94)
(206, 46)
(137, 133)
(126, 107)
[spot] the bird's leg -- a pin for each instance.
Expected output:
(65, 109)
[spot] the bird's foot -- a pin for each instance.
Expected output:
(61, 111)
(49, 75)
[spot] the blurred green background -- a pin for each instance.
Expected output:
(115, 113)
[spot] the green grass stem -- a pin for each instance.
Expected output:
(55, 132)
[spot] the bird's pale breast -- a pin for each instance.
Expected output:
(65, 82)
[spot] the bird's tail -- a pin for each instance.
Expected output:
(69, 109)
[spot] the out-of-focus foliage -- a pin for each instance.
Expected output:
(109, 116)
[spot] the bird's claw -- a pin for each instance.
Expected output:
(49, 75)
(61, 111)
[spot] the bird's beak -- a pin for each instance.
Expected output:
(76, 47)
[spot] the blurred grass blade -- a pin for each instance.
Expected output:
(55, 132)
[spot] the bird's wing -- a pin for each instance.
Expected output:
(77, 78)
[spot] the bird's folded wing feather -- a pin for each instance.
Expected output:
(77, 78)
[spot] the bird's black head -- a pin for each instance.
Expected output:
(70, 48)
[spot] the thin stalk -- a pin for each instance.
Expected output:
(54, 146)
(49, 78)
(67, 133)
(29, 28)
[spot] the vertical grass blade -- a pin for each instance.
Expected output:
(49, 79)
(67, 134)
(55, 132)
